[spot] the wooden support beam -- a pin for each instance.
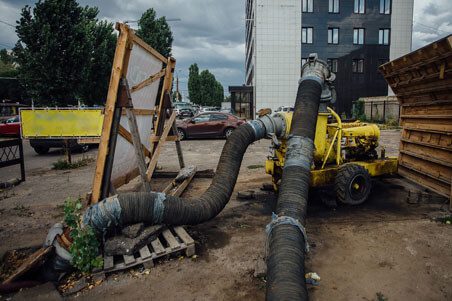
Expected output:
(138, 147)
(168, 138)
(128, 136)
(141, 112)
(148, 81)
(119, 62)
(158, 149)
(148, 48)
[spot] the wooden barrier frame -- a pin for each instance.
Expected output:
(118, 98)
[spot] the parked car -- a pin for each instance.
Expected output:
(184, 113)
(204, 125)
(42, 146)
(10, 127)
(284, 109)
(209, 109)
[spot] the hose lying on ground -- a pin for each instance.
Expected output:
(286, 234)
(158, 208)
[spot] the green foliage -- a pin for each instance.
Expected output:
(358, 110)
(203, 88)
(64, 53)
(194, 84)
(85, 245)
(62, 164)
(155, 32)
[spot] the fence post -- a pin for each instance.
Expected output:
(371, 111)
(384, 111)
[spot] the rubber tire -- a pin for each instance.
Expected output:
(181, 133)
(41, 150)
(84, 148)
(228, 132)
(346, 176)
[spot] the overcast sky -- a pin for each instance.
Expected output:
(212, 32)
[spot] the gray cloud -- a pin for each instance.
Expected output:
(432, 21)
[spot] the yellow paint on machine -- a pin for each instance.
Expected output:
(61, 123)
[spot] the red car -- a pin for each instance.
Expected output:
(10, 127)
(210, 124)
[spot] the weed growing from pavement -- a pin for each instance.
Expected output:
(85, 245)
(64, 164)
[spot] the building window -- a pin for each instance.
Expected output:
(333, 35)
(358, 66)
(304, 61)
(358, 36)
(308, 6)
(383, 36)
(360, 7)
(333, 6)
(306, 35)
(385, 7)
(332, 63)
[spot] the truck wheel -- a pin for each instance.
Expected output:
(352, 184)
(41, 150)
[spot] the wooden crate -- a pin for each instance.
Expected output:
(172, 241)
(422, 82)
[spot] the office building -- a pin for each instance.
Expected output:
(353, 36)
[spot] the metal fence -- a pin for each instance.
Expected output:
(12, 153)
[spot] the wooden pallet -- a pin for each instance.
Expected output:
(171, 241)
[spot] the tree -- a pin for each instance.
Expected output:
(203, 88)
(97, 73)
(194, 87)
(64, 54)
(155, 32)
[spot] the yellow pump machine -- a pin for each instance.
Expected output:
(345, 156)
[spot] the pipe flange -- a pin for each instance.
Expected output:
(287, 220)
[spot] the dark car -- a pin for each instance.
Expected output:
(10, 127)
(42, 146)
(205, 125)
(184, 113)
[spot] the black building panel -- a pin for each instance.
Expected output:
(350, 86)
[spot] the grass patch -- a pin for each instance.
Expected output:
(64, 164)
(256, 166)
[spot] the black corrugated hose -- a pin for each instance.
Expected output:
(158, 208)
(178, 211)
(286, 253)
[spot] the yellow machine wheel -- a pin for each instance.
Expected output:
(352, 184)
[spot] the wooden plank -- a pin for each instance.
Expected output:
(168, 138)
(187, 240)
(145, 252)
(141, 112)
(181, 188)
(32, 261)
(128, 136)
(129, 259)
(158, 247)
(108, 263)
(156, 153)
(148, 81)
(423, 180)
(137, 146)
(93, 140)
(170, 239)
(148, 48)
(205, 173)
(120, 60)
(164, 98)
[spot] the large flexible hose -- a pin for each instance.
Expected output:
(287, 238)
(158, 208)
